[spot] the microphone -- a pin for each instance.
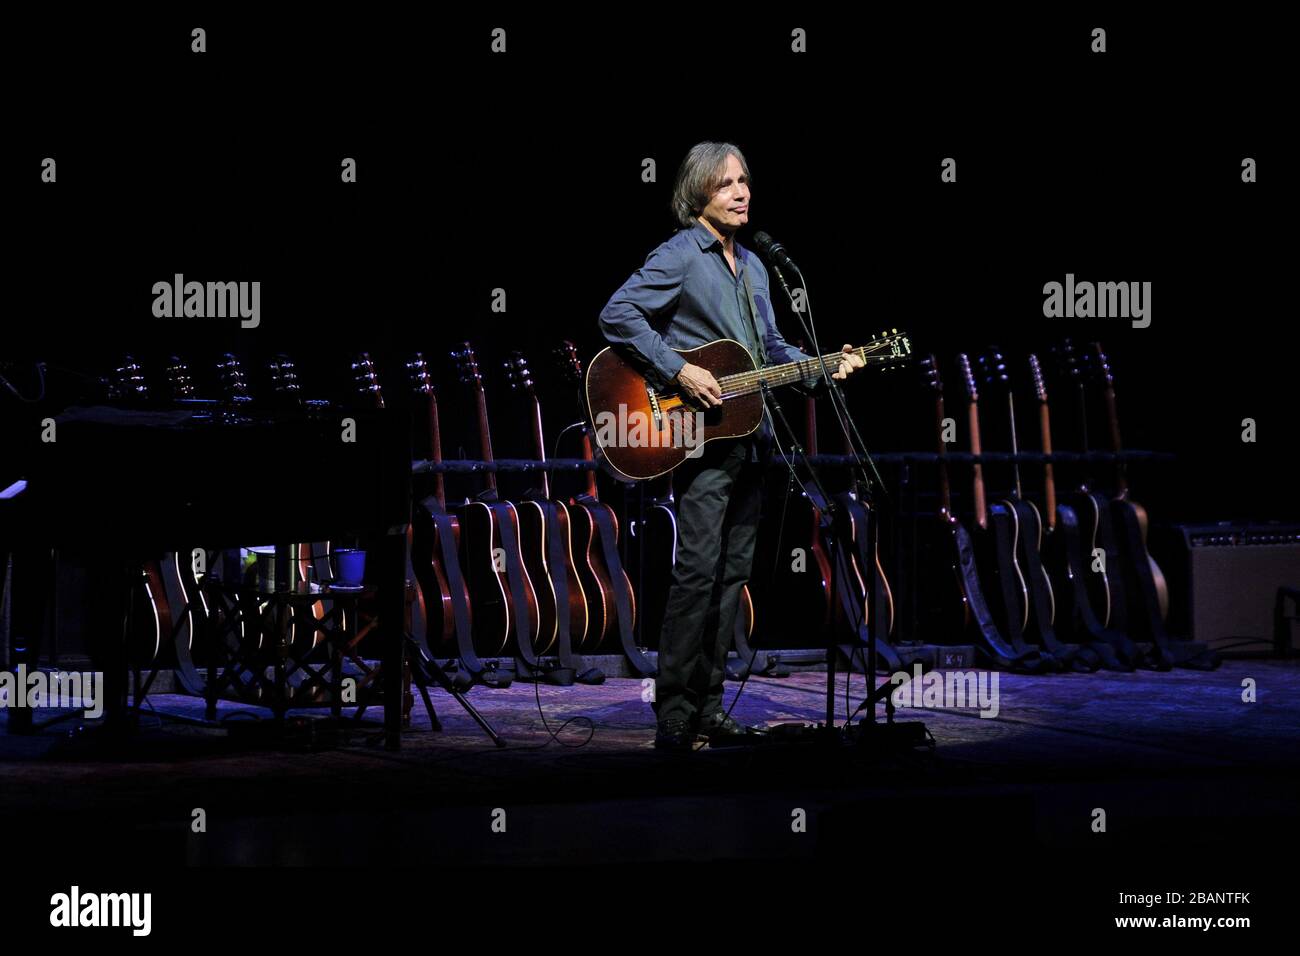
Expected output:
(780, 260)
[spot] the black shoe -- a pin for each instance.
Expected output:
(722, 730)
(674, 735)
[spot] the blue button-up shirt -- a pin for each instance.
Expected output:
(686, 296)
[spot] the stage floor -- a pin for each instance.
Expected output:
(1174, 759)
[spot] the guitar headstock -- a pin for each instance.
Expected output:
(519, 375)
(417, 371)
(1100, 365)
(234, 384)
(993, 370)
(365, 378)
(930, 377)
(968, 377)
(566, 356)
(284, 377)
(890, 347)
(1036, 372)
(179, 381)
(467, 365)
(1069, 363)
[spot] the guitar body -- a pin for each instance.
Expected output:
(526, 629)
(1145, 586)
(644, 431)
(745, 616)
(999, 570)
(786, 594)
(616, 392)
(426, 566)
(655, 557)
(1038, 585)
(1143, 564)
(977, 613)
(579, 615)
(150, 612)
(1097, 531)
(859, 518)
(489, 588)
(594, 573)
(533, 545)
(427, 553)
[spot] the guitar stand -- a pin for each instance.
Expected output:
(426, 676)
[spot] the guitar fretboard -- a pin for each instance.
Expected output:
(884, 352)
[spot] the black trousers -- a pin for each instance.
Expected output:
(718, 498)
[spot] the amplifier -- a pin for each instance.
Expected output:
(1224, 580)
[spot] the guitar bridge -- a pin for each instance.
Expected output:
(655, 411)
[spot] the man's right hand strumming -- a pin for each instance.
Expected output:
(699, 385)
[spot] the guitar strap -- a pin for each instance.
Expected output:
(508, 519)
(759, 350)
(1114, 648)
(995, 645)
(1110, 546)
(618, 581)
(848, 593)
(1083, 659)
(451, 568)
(1001, 520)
(557, 559)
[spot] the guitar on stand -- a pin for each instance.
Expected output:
(1035, 597)
(547, 543)
(806, 586)
(1089, 550)
(435, 546)
(503, 594)
(1149, 604)
(970, 611)
(610, 597)
(433, 562)
(861, 529)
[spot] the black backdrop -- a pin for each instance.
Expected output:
(523, 171)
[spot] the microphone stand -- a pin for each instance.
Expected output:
(862, 487)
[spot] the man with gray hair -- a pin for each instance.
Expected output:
(699, 286)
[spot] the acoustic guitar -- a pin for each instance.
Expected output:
(589, 515)
(427, 553)
(642, 431)
(506, 611)
(972, 615)
(533, 521)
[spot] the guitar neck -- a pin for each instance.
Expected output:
(435, 450)
(945, 491)
(485, 435)
(1112, 418)
(810, 424)
(539, 446)
(589, 454)
(1049, 480)
(746, 383)
(1015, 445)
(981, 511)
